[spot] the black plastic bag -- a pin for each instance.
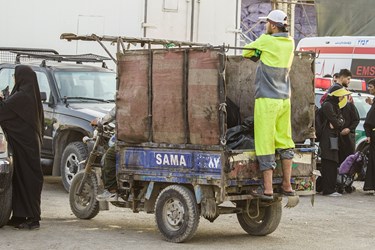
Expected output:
(241, 136)
(233, 114)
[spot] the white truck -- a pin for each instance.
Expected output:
(356, 53)
(208, 21)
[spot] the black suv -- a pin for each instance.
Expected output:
(72, 93)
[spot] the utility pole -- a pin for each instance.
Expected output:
(288, 6)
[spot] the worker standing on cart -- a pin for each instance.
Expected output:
(272, 112)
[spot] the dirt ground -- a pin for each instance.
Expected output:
(345, 222)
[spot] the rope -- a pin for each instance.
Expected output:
(247, 209)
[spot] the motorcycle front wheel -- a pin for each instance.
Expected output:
(84, 204)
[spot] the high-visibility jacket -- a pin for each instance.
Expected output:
(276, 57)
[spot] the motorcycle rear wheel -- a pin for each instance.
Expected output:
(84, 205)
(259, 220)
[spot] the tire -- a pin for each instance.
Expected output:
(6, 197)
(340, 189)
(176, 214)
(84, 205)
(349, 189)
(74, 153)
(5, 205)
(265, 223)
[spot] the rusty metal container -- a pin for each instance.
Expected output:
(168, 97)
(174, 96)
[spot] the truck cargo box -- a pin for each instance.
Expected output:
(173, 96)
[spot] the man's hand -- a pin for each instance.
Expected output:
(94, 122)
(345, 131)
(369, 100)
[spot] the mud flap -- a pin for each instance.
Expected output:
(292, 201)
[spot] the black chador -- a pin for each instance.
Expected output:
(21, 118)
(369, 126)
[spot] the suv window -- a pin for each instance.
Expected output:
(43, 83)
(6, 79)
(100, 85)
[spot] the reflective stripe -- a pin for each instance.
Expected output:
(272, 74)
(276, 51)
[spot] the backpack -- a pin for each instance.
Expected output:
(320, 123)
(352, 164)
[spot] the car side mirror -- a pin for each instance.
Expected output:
(43, 96)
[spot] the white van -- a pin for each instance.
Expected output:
(334, 53)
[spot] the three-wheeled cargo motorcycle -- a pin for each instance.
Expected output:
(172, 154)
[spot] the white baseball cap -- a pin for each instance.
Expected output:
(276, 16)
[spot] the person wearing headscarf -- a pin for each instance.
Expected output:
(336, 99)
(369, 127)
(21, 118)
(351, 117)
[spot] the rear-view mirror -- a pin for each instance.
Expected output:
(43, 96)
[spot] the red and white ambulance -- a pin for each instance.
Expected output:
(356, 53)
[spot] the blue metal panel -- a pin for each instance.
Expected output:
(135, 157)
(172, 160)
(207, 162)
(169, 159)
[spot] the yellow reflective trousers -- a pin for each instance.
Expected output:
(272, 129)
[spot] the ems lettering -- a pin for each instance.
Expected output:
(170, 160)
(365, 71)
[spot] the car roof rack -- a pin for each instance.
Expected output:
(7, 54)
(25, 54)
(64, 58)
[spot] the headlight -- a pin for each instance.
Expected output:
(4, 167)
(3, 144)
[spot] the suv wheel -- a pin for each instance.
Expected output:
(5, 196)
(73, 154)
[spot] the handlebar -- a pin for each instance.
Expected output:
(106, 130)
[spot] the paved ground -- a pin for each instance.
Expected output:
(346, 222)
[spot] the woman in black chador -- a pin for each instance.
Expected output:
(336, 99)
(369, 126)
(21, 117)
